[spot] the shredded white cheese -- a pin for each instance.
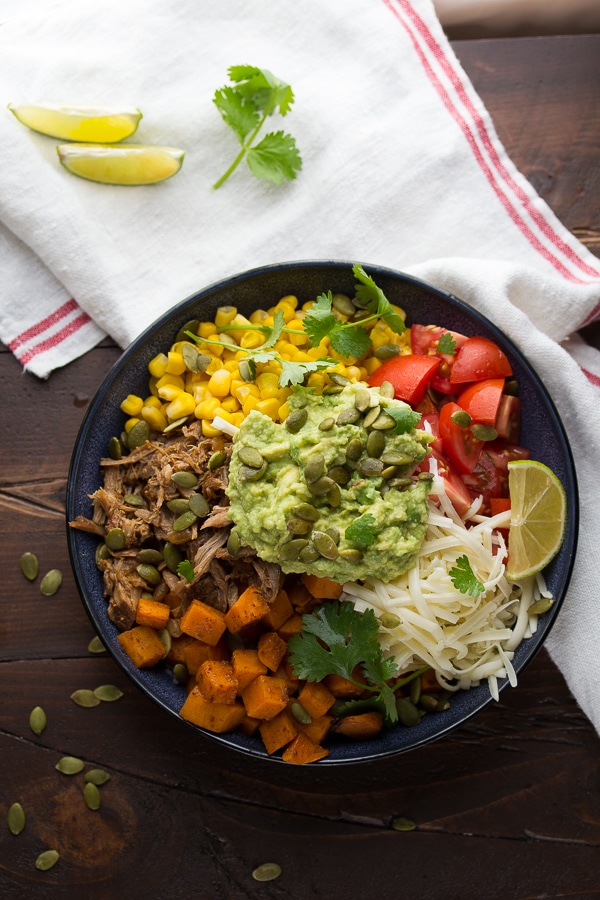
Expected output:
(464, 639)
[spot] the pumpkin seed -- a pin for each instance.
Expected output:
(176, 423)
(370, 467)
(46, 860)
(102, 553)
(172, 556)
(247, 369)
(30, 566)
(321, 486)
(351, 555)
(108, 692)
(96, 645)
(414, 691)
(309, 554)
(160, 592)
(375, 444)
(296, 525)
(386, 389)
(149, 573)
(233, 543)
(85, 698)
(325, 544)
(332, 389)
(191, 325)
(16, 818)
(306, 511)
(178, 505)
(115, 448)
(484, 432)
(138, 435)
(383, 422)
(267, 872)
(97, 777)
(389, 472)
(339, 379)
(195, 361)
(334, 496)
(386, 351)
(134, 500)
(408, 714)
(296, 420)
(314, 468)
(199, 505)
(340, 474)
(115, 539)
(91, 795)
(70, 765)
(185, 520)
(250, 457)
(395, 458)
(348, 416)
(248, 473)
(150, 556)
(343, 304)
(362, 400)
(166, 640)
(216, 460)
(428, 702)
(291, 550)
(185, 479)
(461, 418)
(389, 620)
(372, 416)
(401, 823)
(334, 534)
(541, 606)
(300, 714)
(326, 424)
(37, 720)
(180, 673)
(354, 449)
(51, 582)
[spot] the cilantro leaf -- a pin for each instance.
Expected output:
(362, 531)
(186, 570)
(446, 344)
(373, 298)
(352, 342)
(295, 372)
(406, 419)
(464, 579)
(317, 329)
(244, 106)
(273, 333)
(275, 159)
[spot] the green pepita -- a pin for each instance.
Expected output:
(362, 400)
(326, 424)
(30, 566)
(115, 539)
(386, 389)
(176, 423)
(247, 369)
(306, 511)
(217, 459)
(16, 819)
(248, 473)
(291, 550)
(185, 520)
(91, 795)
(375, 444)
(314, 468)
(135, 500)
(267, 872)
(343, 304)
(199, 505)
(348, 416)
(97, 777)
(51, 582)
(383, 422)
(172, 556)
(340, 474)
(180, 673)
(484, 432)
(408, 714)
(102, 553)
(70, 765)
(138, 435)
(185, 479)
(354, 449)
(192, 325)
(389, 620)
(309, 554)
(461, 418)
(178, 505)
(250, 457)
(37, 720)
(149, 573)
(296, 525)
(401, 823)
(300, 714)
(334, 495)
(150, 556)
(372, 416)
(195, 361)
(108, 692)
(325, 544)
(351, 555)
(85, 698)
(321, 486)
(46, 860)
(233, 543)
(386, 351)
(370, 467)
(296, 420)
(115, 448)
(541, 606)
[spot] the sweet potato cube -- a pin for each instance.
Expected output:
(287, 676)
(361, 727)
(142, 645)
(217, 681)
(246, 666)
(316, 699)
(249, 726)
(265, 696)
(203, 622)
(343, 688)
(249, 607)
(300, 597)
(318, 729)
(152, 613)
(271, 649)
(302, 750)
(178, 645)
(197, 652)
(291, 626)
(278, 731)
(321, 587)
(279, 610)
(217, 717)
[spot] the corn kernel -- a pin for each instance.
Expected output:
(205, 329)
(200, 392)
(353, 373)
(155, 418)
(225, 315)
(152, 385)
(268, 385)
(269, 407)
(237, 418)
(152, 401)
(132, 405)
(371, 364)
(158, 365)
(214, 365)
(316, 379)
(246, 390)
(259, 316)
(219, 383)
(183, 405)
(130, 423)
(231, 364)
(283, 411)
(249, 403)
(291, 300)
(208, 430)
(297, 339)
(288, 311)
(169, 392)
(230, 404)
(175, 363)
(251, 339)
(206, 408)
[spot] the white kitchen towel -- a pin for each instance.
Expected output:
(401, 167)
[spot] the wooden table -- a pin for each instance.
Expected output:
(506, 807)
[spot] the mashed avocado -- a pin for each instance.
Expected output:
(329, 491)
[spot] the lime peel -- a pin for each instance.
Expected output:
(130, 164)
(97, 124)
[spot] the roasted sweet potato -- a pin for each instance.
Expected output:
(217, 682)
(150, 612)
(321, 587)
(197, 652)
(271, 649)
(361, 727)
(265, 696)
(316, 699)
(318, 729)
(249, 607)
(203, 622)
(280, 610)
(142, 645)
(302, 750)
(246, 666)
(217, 717)
(278, 731)
(291, 626)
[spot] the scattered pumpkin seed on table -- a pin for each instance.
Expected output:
(84, 697)
(401, 823)
(16, 818)
(91, 795)
(51, 582)
(96, 776)
(267, 872)
(70, 765)
(108, 692)
(30, 566)
(96, 646)
(46, 860)
(37, 720)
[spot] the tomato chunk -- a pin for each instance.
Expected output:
(410, 376)
(460, 445)
(456, 489)
(477, 359)
(508, 420)
(425, 339)
(482, 400)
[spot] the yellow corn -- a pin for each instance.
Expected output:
(209, 430)
(251, 339)
(206, 408)
(152, 401)
(130, 423)
(246, 389)
(269, 407)
(158, 365)
(155, 418)
(249, 403)
(225, 315)
(268, 385)
(183, 405)
(205, 329)
(169, 392)
(219, 383)
(259, 316)
(175, 363)
(132, 405)
(230, 405)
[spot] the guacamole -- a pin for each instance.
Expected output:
(330, 491)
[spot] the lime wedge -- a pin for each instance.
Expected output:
(538, 515)
(103, 124)
(125, 164)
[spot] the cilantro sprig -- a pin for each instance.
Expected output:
(244, 106)
(334, 640)
(446, 344)
(464, 579)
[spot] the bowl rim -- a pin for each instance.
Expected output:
(248, 746)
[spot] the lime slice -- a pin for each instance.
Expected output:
(103, 124)
(126, 164)
(538, 515)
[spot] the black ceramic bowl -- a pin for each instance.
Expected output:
(542, 433)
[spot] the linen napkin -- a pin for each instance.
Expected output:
(401, 167)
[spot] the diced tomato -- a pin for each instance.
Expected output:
(482, 400)
(410, 376)
(499, 505)
(477, 359)
(460, 445)
(508, 419)
(433, 420)
(484, 481)
(501, 453)
(456, 489)
(424, 339)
